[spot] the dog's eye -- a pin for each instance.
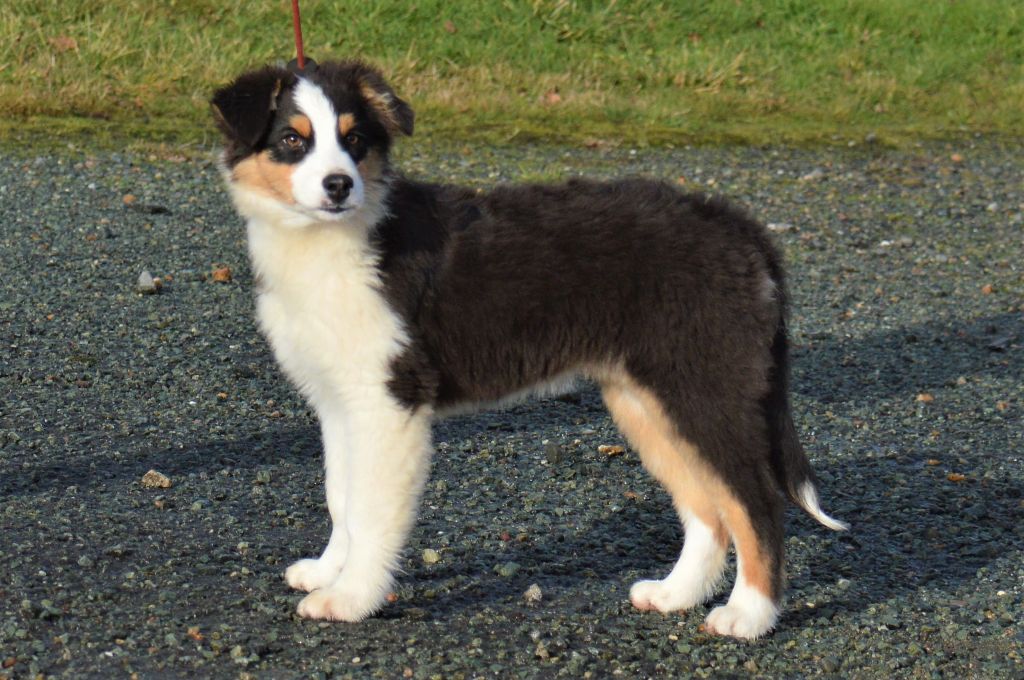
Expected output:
(353, 140)
(293, 141)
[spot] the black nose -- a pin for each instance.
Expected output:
(337, 187)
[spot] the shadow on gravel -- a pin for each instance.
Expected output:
(910, 529)
(288, 443)
(907, 361)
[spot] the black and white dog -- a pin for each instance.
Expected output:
(389, 302)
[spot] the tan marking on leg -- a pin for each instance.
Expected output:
(672, 460)
(262, 174)
(346, 122)
(301, 124)
(755, 564)
(693, 484)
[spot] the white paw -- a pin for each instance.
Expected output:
(339, 604)
(663, 596)
(742, 621)
(310, 574)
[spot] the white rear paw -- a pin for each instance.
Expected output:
(663, 596)
(338, 604)
(743, 621)
(310, 574)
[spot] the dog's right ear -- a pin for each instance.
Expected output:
(244, 108)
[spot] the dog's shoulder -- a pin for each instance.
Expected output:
(421, 217)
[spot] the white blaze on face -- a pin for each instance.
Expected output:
(327, 156)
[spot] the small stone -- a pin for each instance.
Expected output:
(779, 227)
(533, 594)
(431, 556)
(992, 207)
(146, 284)
(507, 569)
(553, 453)
(156, 480)
(222, 275)
(84, 561)
(610, 450)
(813, 175)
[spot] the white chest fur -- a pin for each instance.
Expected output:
(321, 307)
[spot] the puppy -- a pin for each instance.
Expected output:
(389, 302)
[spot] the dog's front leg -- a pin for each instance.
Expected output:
(310, 574)
(387, 465)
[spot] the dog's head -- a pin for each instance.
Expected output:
(309, 149)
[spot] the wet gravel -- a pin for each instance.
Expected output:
(907, 271)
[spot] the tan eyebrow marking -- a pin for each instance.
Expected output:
(302, 125)
(346, 122)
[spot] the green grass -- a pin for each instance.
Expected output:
(622, 71)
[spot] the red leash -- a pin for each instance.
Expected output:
(300, 65)
(300, 58)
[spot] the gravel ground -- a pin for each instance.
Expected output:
(907, 270)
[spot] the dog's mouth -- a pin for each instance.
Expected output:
(335, 209)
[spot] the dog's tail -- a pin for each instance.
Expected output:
(789, 462)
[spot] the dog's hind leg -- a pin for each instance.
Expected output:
(747, 510)
(387, 465)
(674, 463)
(755, 524)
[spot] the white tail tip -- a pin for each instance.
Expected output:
(809, 501)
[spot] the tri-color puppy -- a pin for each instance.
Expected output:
(389, 302)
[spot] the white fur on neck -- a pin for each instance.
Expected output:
(321, 306)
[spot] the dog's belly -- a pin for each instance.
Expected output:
(564, 383)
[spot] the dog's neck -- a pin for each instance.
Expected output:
(289, 250)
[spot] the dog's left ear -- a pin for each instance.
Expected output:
(244, 108)
(396, 115)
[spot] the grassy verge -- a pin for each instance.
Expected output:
(634, 71)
